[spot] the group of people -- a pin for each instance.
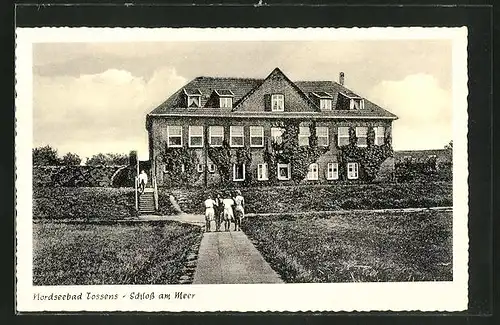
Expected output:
(221, 209)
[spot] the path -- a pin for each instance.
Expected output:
(225, 257)
(230, 257)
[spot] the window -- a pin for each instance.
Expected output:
(238, 172)
(196, 136)
(277, 135)
(332, 171)
(174, 136)
(322, 134)
(277, 103)
(256, 136)
(216, 135)
(262, 174)
(357, 103)
(200, 168)
(343, 138)
(361, 134)
(194, 101)
(352, 170)
(304, 133)
(325, 104)
(226, 102)
(211, 168)
(379, 135)
(283, 172)
(312, 172)
(236, 136)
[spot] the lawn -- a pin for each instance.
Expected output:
(289, 199)
(356, 246)
(87, 254)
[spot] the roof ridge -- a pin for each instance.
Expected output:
(226, 78)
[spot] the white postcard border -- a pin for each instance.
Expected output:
(407, 296)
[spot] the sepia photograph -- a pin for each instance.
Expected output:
(261, 161)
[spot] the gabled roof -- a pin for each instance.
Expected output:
(322, 94)
(207, 85)
(224, 92)
(191, 92)
(279, 73)
(243, 87)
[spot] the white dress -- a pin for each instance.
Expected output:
(228, 210)
(238, 200)
(209, 209)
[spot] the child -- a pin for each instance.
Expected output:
(239, 212)
(209, 212)
(228, 211)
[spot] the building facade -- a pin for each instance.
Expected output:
(267, 131)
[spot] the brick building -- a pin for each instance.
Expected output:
(251, 114)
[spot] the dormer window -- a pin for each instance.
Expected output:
(325, 104)
(277, 103)
(357, 103)
(225, 97)
(193, 97)
(226, 102)
(325, 100)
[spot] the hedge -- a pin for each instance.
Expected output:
(327, 198)
(83, 176)
(82, 203)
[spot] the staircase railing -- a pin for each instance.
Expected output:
(155, 192)
(136, 187)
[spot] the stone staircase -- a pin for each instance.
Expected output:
(147, 201)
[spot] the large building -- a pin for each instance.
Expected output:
(270, 131)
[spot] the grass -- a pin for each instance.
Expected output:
(83, 203)
(289, 199)
(97, 254)
(356, 246)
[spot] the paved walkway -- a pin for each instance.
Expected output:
(230, 257)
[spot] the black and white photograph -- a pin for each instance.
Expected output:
(165, 167)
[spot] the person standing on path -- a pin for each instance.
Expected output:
(218, 211)
(209, 212)
(143, 180)
(228, 211)
(239, 211)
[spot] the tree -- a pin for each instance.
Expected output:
(449, 146)
(108, 159)
(45, 156)
(71, 159)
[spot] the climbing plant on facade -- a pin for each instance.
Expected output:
(288, 151)
(224, 157)
(370, 158)
(180, 165)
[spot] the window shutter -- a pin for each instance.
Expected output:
(267, 102)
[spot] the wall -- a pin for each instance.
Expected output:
(158, 136)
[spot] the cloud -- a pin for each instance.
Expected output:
(423, 107)
(102, 112)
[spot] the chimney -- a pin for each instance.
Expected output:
(341, 78)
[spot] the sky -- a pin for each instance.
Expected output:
(93, 97)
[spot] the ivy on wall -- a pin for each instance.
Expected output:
(174, 160)
(224, 157)
(289, 152)
(369, 158)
